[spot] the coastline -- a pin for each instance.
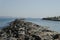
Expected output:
(18, 29)
(52, 18)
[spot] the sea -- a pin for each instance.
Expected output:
(51, 25)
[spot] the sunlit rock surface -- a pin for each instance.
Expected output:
(19, 29)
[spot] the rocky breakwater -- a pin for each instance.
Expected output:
(22, 30)
(52, 18)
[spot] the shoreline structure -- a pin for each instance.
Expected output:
(22, 30)
(52, 18)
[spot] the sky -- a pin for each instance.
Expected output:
(30, 8)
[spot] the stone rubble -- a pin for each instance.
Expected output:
(22, 30)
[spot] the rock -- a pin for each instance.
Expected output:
(36, 37)
(22, 30)
(52, 18)
(56, 36)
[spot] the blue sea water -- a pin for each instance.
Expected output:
(53, 25)
(5, 21)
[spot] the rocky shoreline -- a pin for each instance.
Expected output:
(22, 30)
(52, 18)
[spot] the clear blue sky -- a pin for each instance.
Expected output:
(30, 8)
